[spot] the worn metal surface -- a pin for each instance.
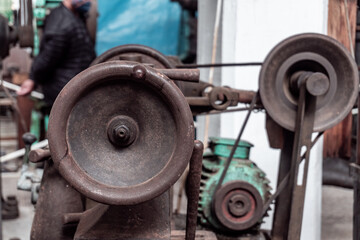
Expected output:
(308, 83)
(39, 155)
(290, 213)
(281, 219)
(148, 220)
(56, 198)
(305, 119)
(188, 75)
(161, 149)
(135, 52)
(195, 89)
(319, 61)
(238, 205)
(206, 97)
(192, 189)
(146, 55)
(274, 132)
(314, 53)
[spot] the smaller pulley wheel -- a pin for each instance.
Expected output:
(121, 133)
(321, 57)
(238, 205)
(135, 53)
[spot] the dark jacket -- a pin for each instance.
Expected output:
(65, 50)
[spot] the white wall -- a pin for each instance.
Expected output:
(250, 29)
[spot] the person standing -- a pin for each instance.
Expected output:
(66, 49)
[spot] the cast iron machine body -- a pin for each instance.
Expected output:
(120, 134)
(201, 96)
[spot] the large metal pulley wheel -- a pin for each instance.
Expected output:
(121, 133)
(313, 53)
(135, 53)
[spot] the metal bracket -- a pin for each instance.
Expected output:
(304, 128)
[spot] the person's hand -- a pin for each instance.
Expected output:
(26, 87)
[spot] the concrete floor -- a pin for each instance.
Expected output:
(337, 206)
(21, 226)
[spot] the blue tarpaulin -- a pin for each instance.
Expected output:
(155, 23)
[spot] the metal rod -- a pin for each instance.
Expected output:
(193, 190)
(356, 211)
(14, 87)
(186, 75)
(21, 152)
(224, 111)
(304, 127)
(280, 225)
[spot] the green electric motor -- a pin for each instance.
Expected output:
(238, 204)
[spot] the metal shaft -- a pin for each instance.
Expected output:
(187, 75)
(193, 190)
(356, 210)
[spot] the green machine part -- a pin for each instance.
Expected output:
(41, 10)
(5, 10)
(237, 206)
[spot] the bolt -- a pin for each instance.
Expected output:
(317, 84)
(238, 205)
(139, 72)
(121, 133)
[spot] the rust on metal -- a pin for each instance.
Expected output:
(238, 205)
(88, 159)
(304, 87)
(206, 97)
(39, 155)
(137, 53)
(309, 52)
(193, 190)
(186, 75)
(147, 220)
(56, 198)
